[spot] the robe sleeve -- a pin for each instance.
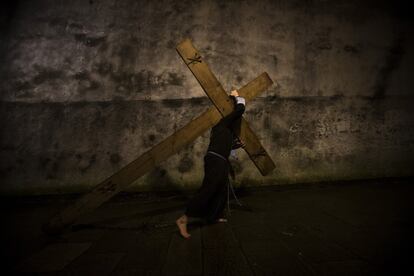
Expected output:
(237, 112)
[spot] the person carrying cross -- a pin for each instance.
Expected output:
(210, 200)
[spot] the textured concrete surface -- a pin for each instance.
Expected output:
(87, 86)
(349, 228)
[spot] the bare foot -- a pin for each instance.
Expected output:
(182, 226)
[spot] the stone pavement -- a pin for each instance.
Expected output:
(360, 227)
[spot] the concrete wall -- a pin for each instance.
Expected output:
(87, 86)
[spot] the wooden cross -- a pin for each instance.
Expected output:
(223, 106)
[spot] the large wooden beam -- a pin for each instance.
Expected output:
(215, 91)
(147, 161)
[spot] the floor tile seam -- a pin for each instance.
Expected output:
(243, 253)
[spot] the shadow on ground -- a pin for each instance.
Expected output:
(345, 228)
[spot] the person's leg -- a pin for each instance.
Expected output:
(217, 206)
(218, 202)
(221, 217)
(199, 204)
(182, 226)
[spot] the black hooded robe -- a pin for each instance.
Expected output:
(210, 199)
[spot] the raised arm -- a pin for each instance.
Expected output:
(240, 106)
(237, 112)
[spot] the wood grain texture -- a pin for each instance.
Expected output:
(205, 77)
(147, 161)
(215, 91)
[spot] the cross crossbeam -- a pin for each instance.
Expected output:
(223, 103)
(166, 148)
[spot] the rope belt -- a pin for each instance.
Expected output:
(217, 154)
(231, 170)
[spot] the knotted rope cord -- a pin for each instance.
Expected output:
(229, 185)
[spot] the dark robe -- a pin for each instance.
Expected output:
(210, 199)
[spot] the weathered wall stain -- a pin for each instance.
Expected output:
(88, 87)
(115, 158)
(46, 74)
(186, 164)
(392, 60)
(90, 41)
(159, 178)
